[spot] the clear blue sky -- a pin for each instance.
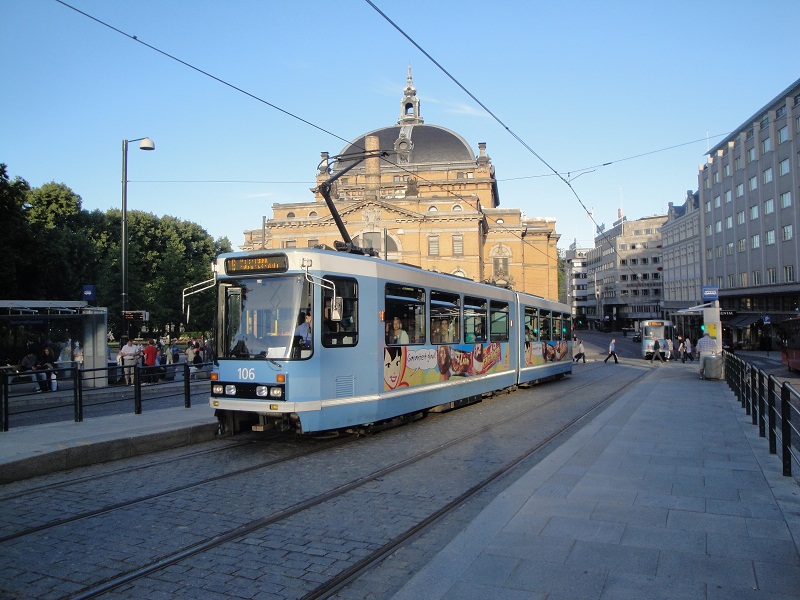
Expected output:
(581, 82)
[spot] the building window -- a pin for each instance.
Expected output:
(718, 226)
(754, 212)
(751, 155)
(783, 134)
(719, 251)
(766, 145)
(709, 254)
(730, 280)
(708, 206)
(312, 243)
(769, 206)
(708, 230)
(290, 215)
(788, 273)
(728, 196)
(290, 244)
(756, 277)
(786, 233)
(755, 241)
(313, 213)
(738, 163)
(783, 167)
(729, 249)
(786, 199)
(728, 222)
(772, 275)
(457, 208)
(433, 245)
(499, 221)
(727, 169)
(458, 245)
(752, 183)
(740, 190)
(742, 279)
(770, 237)
(740, 217)
(742, 243)
(717, 200)
(767, 175)
(432, 209)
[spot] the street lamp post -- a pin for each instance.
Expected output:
(144, 144)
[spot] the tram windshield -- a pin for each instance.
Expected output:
(268, 317)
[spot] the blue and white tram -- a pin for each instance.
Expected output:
(313, 340)
(652, 330)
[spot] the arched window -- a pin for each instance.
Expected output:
(499, 221)
(313, 213)
(432, 209)
(459, 273)
(457, 207)
(290, 215)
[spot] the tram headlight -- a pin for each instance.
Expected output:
(230, 390)
(262, 391)
(217, 389)
(276, 392)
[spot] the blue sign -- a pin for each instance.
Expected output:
(88, 293)
(767, 320)
(710, 293)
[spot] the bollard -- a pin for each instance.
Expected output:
(4, 382)
(761, 420)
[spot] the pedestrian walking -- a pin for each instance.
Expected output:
(656, 351)
(687, 349)
(581, 353)
(612, 351)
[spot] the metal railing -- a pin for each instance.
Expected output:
(771, 403)
(28, 400)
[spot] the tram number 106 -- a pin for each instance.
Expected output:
(246, 373)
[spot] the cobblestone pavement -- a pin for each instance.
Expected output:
(290, 557)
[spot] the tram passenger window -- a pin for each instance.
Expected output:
(545, 325)
(445, 323)
(531, 324)
(498, 314)
(342, 333)
(404, 314)
(557, 333)
(475, 314)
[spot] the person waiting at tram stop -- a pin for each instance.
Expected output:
(31, 366)
(656, 350)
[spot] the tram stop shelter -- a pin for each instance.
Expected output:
(24, 321)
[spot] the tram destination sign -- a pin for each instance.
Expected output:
(257, 265)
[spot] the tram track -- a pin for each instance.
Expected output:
(305, 506)
(363, 565)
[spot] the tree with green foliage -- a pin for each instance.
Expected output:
(56, 248)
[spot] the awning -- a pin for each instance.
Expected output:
(742, 322)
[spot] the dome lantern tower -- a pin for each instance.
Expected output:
(409, 105)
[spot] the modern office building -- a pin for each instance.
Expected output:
(625, 270)
(430, 201)
(579, 288)
(749, 217)
(681, 277)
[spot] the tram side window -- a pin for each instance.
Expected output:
(343, 333)
(545, 326)
(531, 324)
(498, 315)
(558, 333)
(475, 313)
(404, 314)
(445, 324)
